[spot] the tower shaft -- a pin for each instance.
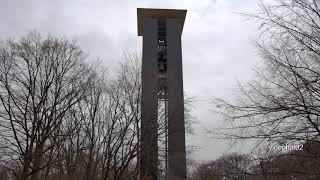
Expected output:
(176, 129)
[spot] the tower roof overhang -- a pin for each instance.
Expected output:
(160, 14)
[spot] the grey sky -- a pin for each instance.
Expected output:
(216, 41)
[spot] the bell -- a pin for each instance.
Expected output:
(161, 67)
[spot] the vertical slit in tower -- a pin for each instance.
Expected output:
(162, 100)
(162, 60)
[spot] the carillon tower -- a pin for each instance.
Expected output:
(162, 81)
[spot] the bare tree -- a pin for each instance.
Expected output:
(120, 147)
(40, 81)
(281, 105)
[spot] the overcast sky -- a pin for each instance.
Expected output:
(217, 44)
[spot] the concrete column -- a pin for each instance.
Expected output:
(149, 104)
(176, 130)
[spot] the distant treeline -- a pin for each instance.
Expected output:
(275, 165)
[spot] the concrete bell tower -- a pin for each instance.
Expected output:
(162, 80)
